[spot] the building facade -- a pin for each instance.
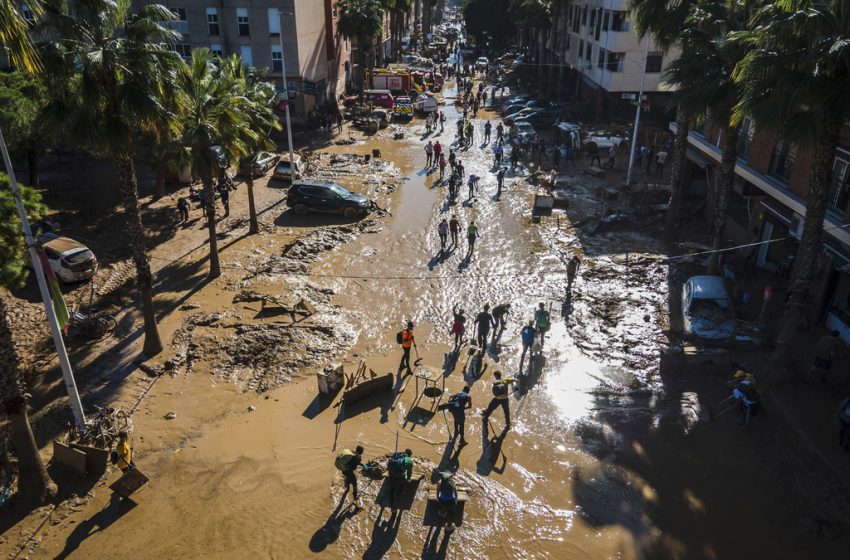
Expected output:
(769, 204)
(595, 40)
(262, 32)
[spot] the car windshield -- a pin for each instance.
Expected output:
(708, 309)
(339, 191)
(79, 256)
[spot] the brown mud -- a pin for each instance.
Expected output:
(599, 464)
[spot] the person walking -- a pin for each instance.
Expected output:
(454, 229)
(500, 180)
(442, 166)
(497, 154)
(438, 150)
(347, 462)
(514, 158)
(824, 354)
(501, 393)
(429, 154)
(487, 129)
(123, 454)
(556, 157)
(458, 325)
(452, 159)
(183, 208)
(842, 416)
(458, 404)
(612, 155)
(527, 335)
(572, 270)
(408, 341)
(471, 184)
(443, 232)
(399, 473)
(660, 160)
(461, 170)
(500, 316)
(593, 153)
(483, 322)
(225, 199)
(500, 131)
(339, 122)
(541, 321)
(471, 236)
(650, 158)
(569, 156)
(442, 121)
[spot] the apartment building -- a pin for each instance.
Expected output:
(262, 32)
(595, 39)
(769, 204)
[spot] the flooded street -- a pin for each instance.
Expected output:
(598, 464)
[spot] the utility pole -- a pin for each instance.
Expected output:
(286, 92)
(634, 146)
(64, 363)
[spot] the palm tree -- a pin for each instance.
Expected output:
(796, 83)
(15, 33)
(398, 14)
(123, 68)
(258, 99)
(33, 478)
(663, 21)
(213, 115)
(362, 20)
(703, 78)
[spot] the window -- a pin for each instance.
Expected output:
(274, 22)
(25, 11)
(653, 62)
(576, 19)
(600, 60)
(181, 24)
(606, 19)
(782, 160)
(592, 17)
(581, 48)
(619, 22)
(242, 22)
(184, 50)
(277, 59)
(212, 22)
(615, 61)
(588, 54)
(245, 53)
(584, 16)
(598, 24)
(745, 138)
(215, 49)
(839, 193)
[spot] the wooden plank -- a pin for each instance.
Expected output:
(129, 482)
(96, 458)
(369, 387)
(462, 496)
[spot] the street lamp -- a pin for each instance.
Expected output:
(286, 92)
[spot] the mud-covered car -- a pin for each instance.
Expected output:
(707, 311)
(327, 197)
(70, 260)
(265, 161)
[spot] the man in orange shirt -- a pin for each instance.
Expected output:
(407, 341)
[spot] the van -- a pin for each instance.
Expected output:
(283, 170)
(380, 97)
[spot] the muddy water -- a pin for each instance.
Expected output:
(239, 474)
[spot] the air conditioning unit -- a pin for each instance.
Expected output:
(795, 228)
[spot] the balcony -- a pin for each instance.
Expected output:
(181, 26)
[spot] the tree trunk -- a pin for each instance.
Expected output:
(677, 174)
(254, 226)
(136, 238)
(721, 210)
(806, 261)
(33, 481)
(32, 167)
(209, 202)
(159, 188)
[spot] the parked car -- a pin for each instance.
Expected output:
(284, 171)
(523, 129)
(707, 311)
(513, 108)
(542, 104)
(70, 260)
(328, 197)
(520, 99)
(481, 63)
(380, 98)
(265, 161)
(604, 140)
(538, 119)
(511, 117)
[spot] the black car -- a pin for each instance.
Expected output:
(326, 196)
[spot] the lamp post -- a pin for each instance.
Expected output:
(56, 331)
(286, 91)
(633, 147)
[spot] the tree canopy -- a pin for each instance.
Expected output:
(13, 250)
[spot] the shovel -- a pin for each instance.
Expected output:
(418, 359)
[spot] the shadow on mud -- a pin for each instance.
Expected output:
(290, 219)
(114, 510)
(329, 532)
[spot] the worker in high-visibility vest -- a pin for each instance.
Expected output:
(407, 342)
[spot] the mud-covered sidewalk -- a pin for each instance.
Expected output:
(612, 453)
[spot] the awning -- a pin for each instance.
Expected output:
(696, 158)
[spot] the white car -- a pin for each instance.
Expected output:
(605, 141)
(265, 161)
(70, 260)
(284, 171)
(707, 311)
(481, 63)
(523, 129)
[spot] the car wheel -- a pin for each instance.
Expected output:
(351, 212)
(300, 209)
